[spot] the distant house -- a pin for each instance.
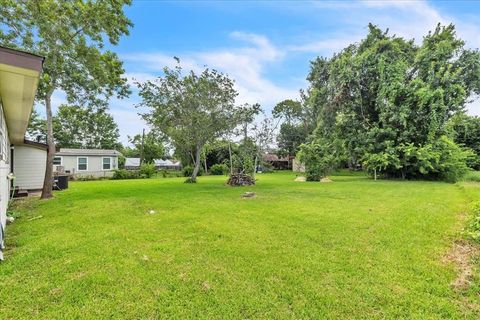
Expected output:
(19, 76)
(86, 162)
(134, 164)
(279, 163)
(167, 164)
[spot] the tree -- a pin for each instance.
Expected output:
(153, 147)
(37, 128)
(289, 139)
(290, 110)
(191, 110)
(295, 129)
(466, 132)
(386, 101)
(77, 127)
(71, 35)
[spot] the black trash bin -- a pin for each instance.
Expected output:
(61, 182)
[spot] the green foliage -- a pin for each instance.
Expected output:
(190, 109)
(466, 132)
(147, 170)
(77, 127)
(473, 229)
(320, 159)
(188, 170)
(122, 174)
(473, 176)
(218, 152)
(153, 147)
(386, 102)
(289, 139)
(219, 169)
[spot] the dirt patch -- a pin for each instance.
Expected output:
(300, 179)
(325, 180)
(461, 255)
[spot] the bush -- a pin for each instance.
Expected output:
(122, 174)
(219, 169)
(473, 230)
(188, 170)
(473, 176)
(319, 158)
(265, 167)
(147, 170)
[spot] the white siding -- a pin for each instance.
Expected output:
(29, 167)
(4, 171)
(94, 165)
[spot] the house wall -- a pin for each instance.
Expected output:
(29, 167)
(94, 166)
(4, 171)
(297, 166)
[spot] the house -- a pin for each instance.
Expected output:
(278, 163)
(167, 164)
(79, 163)
(19, 77)
(134, 164)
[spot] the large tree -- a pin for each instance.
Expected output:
(92, 128)
(190, 109)
(386, 101)
(72, 36)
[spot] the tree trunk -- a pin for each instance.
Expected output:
(255, 163)
(375, 174)
(48, 180)
(205, 162)
(230, 155)
(196, 169)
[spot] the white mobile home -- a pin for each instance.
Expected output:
(19, 76)
(86, 162)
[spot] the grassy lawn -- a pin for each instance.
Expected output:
(351, 248)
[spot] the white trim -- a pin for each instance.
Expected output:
(86, 163)
(110, 163)
(61, 160)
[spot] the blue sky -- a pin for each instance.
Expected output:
(266, 46)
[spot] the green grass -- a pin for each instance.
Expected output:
(351, 248)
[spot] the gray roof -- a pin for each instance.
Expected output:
(87, 152)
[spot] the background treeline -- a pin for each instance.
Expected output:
(395, 108)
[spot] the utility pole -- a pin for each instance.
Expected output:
(141, 150)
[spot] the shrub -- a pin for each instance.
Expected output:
(265, 167)
(86, 177)
(122, 174)
(473, 230)
(219, 169)
(473, 176)
(188, 170)
(147, 170)
(319, 158)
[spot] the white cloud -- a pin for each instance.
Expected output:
(245, 64)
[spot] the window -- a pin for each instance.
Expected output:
(82, 163)
(106, 163)
(57, 161)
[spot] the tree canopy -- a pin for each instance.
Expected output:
(386, 101)
(191, 109)
(71, 35)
